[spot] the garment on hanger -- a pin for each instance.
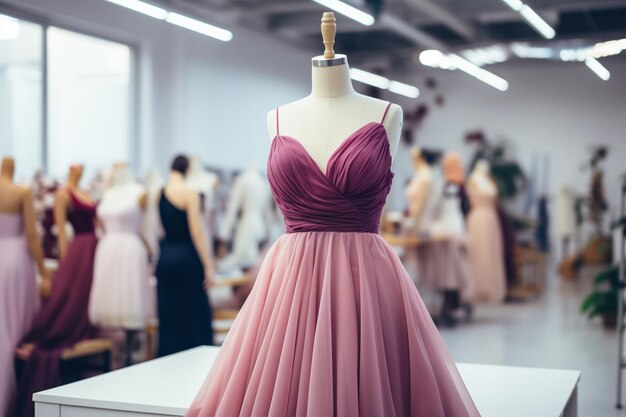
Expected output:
(185, 318)
(63, 320)
(205, 183)
(565, 217)
(121, 296)
(249, 214)
(486, 244)
(333, 319)
(19, 301)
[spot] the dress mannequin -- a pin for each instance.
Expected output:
(322, 121)
(63, 320)
(63, 204)
(420, 193)
(251, 201)
(312, 338)
(19, 247)
(121, 296)
(486, 243)
(185, 268)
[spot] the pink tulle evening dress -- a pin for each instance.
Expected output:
(334, 326)
(19, 301)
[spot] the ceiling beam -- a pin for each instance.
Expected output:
(273, 7)
(442, 15)
(404, 29)
(291, 25)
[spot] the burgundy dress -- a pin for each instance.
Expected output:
(63, 319)
(334, 325)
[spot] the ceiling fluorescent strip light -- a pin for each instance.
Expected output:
(200, 27)
(404, 89)
(368, 78)
(348, 11)
(540, 25)
(599, 69)
(383, 83)
(142, 7)
(514, 4)
(175, 19)
(483, 75)
(532, 18)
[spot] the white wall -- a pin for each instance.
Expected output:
(554, 109)
(196, 94)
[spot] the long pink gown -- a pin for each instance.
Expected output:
(19, 301)
(486, 246)
(334, 325)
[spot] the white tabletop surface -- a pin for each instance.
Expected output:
(168, 385)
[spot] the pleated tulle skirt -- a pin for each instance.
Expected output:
(121, 296)
(333, 327)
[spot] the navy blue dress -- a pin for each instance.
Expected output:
(184, 310)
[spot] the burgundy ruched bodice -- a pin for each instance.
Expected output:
(348, 198)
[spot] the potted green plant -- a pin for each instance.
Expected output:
(602, 301)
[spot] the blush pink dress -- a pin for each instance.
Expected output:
(334, 326)
(19, 301)
(486, 247)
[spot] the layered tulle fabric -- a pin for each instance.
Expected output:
(18, 301)
(121, 295)
(333, 327)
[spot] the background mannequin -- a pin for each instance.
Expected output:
(63, 203)
(19, 247)
(63, 320)
(185, 268)
(121, 296)
(565, 219)
(420, 193)
(250, 209)
(486, 246)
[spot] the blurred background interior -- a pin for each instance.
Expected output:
(508, 197)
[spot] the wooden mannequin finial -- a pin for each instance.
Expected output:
(329, 28)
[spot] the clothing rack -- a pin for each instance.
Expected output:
(621, 308)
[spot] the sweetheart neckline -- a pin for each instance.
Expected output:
(332, 156)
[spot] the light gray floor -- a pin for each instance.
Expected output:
(549, 333)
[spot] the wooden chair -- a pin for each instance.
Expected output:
(531, 272)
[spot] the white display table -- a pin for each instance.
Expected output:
(166, 387)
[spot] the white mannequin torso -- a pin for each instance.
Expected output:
(322, 121)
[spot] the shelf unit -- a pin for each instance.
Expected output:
(621, 300)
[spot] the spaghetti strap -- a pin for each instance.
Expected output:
(385, 114)
(277, 124)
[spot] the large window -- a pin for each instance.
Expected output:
(21, 94)
(88, 101)
(87, 82)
